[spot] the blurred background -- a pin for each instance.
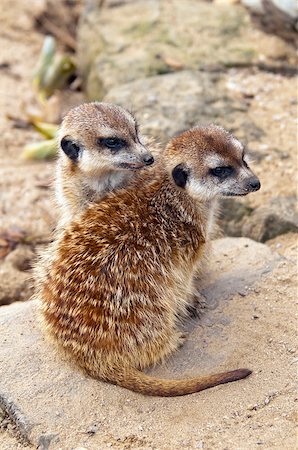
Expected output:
(174, 63)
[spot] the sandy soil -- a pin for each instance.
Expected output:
(27, 204)
(20, 47)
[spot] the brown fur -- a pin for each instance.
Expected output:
(121, 276)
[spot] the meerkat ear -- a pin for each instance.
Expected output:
(70, 148)
(180, 175)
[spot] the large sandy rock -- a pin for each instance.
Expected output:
(53, 405)
(123, 41)
(169, 104)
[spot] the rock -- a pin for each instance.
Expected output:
(15, 279)
(53, 405)
(275, 16)
(110, 54)
(87, 52)
(21, 258)
(232, 214)
(279, 216)
(169, 104)
(237, 264)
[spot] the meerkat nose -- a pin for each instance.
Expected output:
(148, 160)
(254, 184)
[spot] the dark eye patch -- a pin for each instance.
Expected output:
(70, 148)
(112, 143)
(180, 175)
(222, 172)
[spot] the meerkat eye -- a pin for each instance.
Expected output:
(112, 143)
(222, 172)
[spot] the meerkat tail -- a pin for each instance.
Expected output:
(137, 381)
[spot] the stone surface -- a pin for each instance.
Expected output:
(276, 17)
(171, 36)
(278, 216)
(14, 276)
(52, 405)
(232, 214)
(169, 104)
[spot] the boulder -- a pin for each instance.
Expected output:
(14, 275)
(51, 404)
(161, 37)
(232, 214)
(276, 217)
(276, 17)
(169, 104)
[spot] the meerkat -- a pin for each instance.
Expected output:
(121, 276)
(100, 150)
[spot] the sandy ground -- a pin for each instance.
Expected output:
(28, 205)
(20, 47)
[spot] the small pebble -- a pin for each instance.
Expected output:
(242, 293)
(253, 407)
(93, 429)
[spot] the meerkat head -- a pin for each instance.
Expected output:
(97, 137)
(209, 162)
